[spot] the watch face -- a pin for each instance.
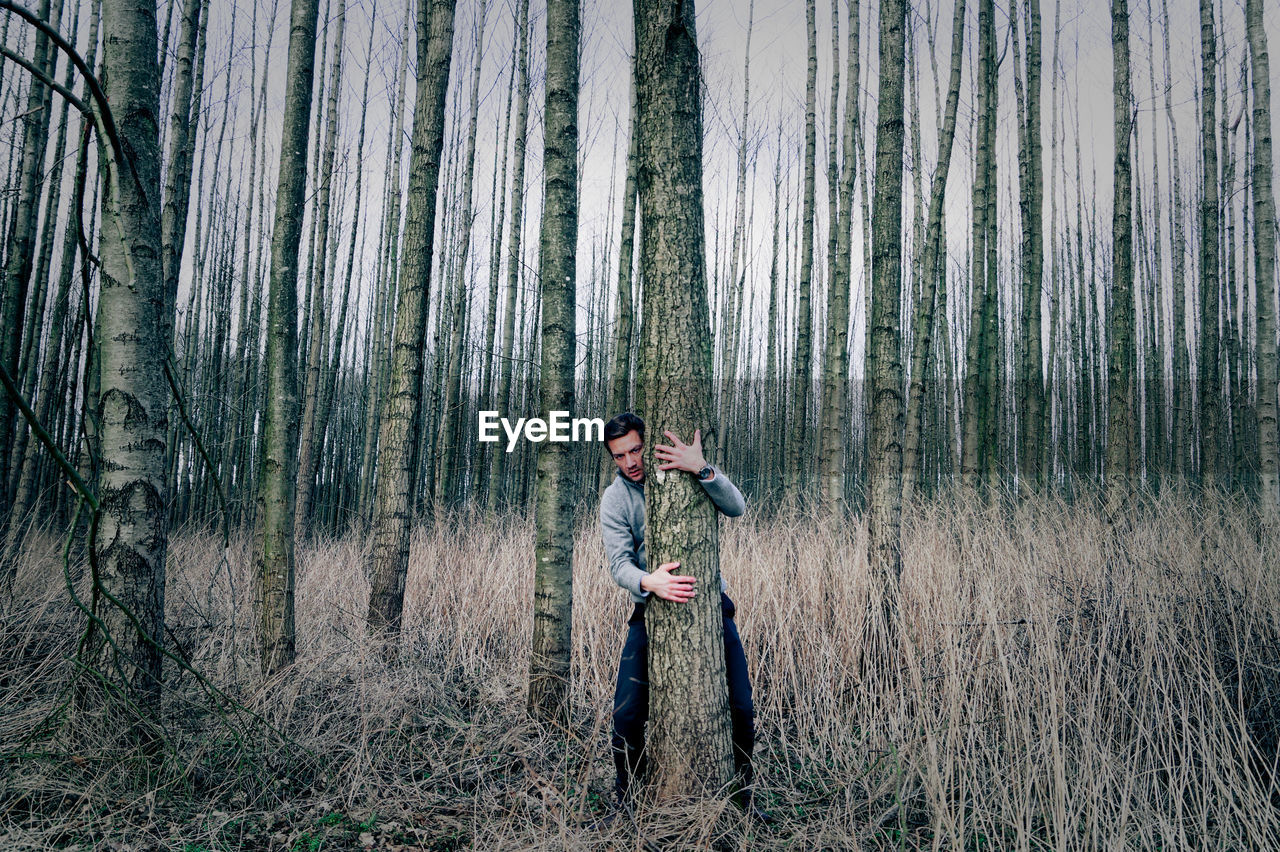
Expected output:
(705, 473)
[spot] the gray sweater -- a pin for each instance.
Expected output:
(622, 526)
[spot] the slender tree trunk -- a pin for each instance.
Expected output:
(173, 223)
(1210, 388)
(498, 470)
(318, 335)
(977, 347)
(273, 541)
(398, 438)
(29, 480)
(734, 282)
(797, 450)
(689, 744)
(1032, 265)
(620, 384)
(448, 478)
(884, 540)
(553, 548)
(19, 254)
(497, 222)
(835, 379)
(1264, 228)
(1121, 327)
(384, 318)
(934, 257)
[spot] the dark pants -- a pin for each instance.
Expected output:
(631, 700)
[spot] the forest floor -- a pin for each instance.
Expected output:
(1063, 683)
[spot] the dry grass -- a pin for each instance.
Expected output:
(1062, 685)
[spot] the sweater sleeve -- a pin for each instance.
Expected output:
(619, 545)
(725, 494)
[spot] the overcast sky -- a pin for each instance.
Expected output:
(778, 65)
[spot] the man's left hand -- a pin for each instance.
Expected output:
(681, 456)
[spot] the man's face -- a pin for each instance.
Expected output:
(626, 454)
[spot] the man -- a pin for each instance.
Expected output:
(622, 528)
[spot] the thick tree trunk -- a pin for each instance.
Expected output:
(398, 438)
(553, 548)
(689, 743)
(273, 540)
(132, 406)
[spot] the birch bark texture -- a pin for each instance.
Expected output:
(401, 407)
(689, 741)
(554, 497)
(133, 402)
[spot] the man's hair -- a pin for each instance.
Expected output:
(621, 425)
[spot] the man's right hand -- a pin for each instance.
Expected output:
(669, 587)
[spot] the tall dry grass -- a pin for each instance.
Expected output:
(1064, 683)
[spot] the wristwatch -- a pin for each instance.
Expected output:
(706, 473)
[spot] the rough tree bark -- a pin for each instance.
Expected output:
(398, 438)
(1210, 389)
(273, 544)
(689, 744)
(1264, 227)
(553, 511)
(977, 362)
(1120, 366)
(884, 368)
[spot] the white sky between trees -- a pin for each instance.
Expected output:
(778, 67)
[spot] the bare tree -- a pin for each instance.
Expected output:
(127, 638)
(1264, 228)
(398, 436)
(1120, 367)
(554, 500)
(798, 438)
(933, 266)
(884, 367)
(690, 742)
(273, 539)
(1210, 389)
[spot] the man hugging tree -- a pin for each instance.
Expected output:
(622, 528)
